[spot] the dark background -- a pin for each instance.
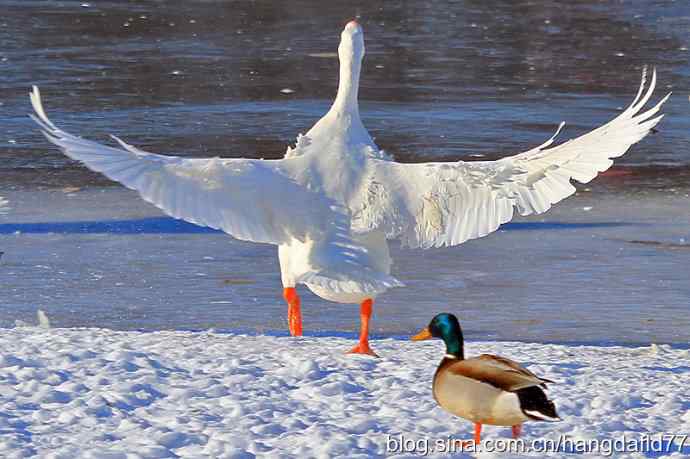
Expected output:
(442, 80)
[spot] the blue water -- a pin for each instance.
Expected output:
(441, 81)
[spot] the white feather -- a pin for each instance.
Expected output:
(481, 193)
(297, 203)
(540, 415)
(43, 320)
(4, 206)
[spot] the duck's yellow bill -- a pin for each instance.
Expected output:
(422, 335)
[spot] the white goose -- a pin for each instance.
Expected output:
(332, 202)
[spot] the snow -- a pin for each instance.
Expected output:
(101, 393)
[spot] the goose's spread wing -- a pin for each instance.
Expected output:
(438, 204)
(253, 200)
(249, 199)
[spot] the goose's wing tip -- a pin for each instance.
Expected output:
(40, 115)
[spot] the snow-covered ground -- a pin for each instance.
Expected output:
(100, 393)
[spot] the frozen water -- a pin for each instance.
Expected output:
(470, 80)
(102, 257)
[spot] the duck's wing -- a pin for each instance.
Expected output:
(252, 200)
(510, 365)
(444, 204)
(497, 371)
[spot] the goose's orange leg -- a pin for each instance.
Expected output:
(365, 310)
(517, 430)
(294, 311)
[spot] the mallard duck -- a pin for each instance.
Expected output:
(487, 389)
(333, 201)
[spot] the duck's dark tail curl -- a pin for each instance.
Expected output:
(536, 405)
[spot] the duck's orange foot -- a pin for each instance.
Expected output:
(363, 348)
(465, 444)
(471, 445)
(517, 430)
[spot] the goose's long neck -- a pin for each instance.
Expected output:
(348, 86)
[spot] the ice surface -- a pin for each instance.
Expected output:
(480, 80)
(102, 393)
(102, 257)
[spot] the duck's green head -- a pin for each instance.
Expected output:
(446, 327)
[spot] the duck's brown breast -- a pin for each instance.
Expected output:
(474, 400)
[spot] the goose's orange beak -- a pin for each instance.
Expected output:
(422, 335)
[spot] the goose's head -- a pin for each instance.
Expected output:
(351, 48)
(350, 53)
